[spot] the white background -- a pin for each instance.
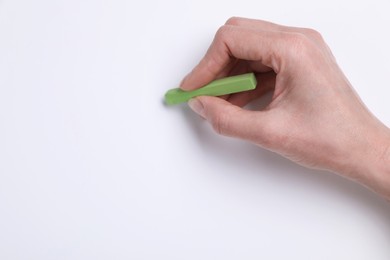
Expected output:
(94, 166)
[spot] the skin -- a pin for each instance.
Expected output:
(315, 118)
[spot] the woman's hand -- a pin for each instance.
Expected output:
(315, 117)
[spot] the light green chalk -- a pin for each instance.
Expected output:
(217, 87)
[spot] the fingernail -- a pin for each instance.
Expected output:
(196, 106)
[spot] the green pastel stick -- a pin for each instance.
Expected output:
(217, 87)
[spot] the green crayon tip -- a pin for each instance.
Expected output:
(217, 87)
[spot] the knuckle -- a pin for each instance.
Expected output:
(300, 45)
(314, 34)
(273, 139)
(233, 21)
(267, 137)
(223, 33)
(220, 123)
(297, 39)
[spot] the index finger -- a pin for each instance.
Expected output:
(231, 43)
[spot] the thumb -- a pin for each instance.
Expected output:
(228, 119)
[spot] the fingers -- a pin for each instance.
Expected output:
(228, 119)
(311, 34)
(248, 40)
(256, 24)
(264, 25)
(231, 43)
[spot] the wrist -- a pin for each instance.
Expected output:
(382, 172)
(369, 163)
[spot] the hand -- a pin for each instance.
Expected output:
(315, 117)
